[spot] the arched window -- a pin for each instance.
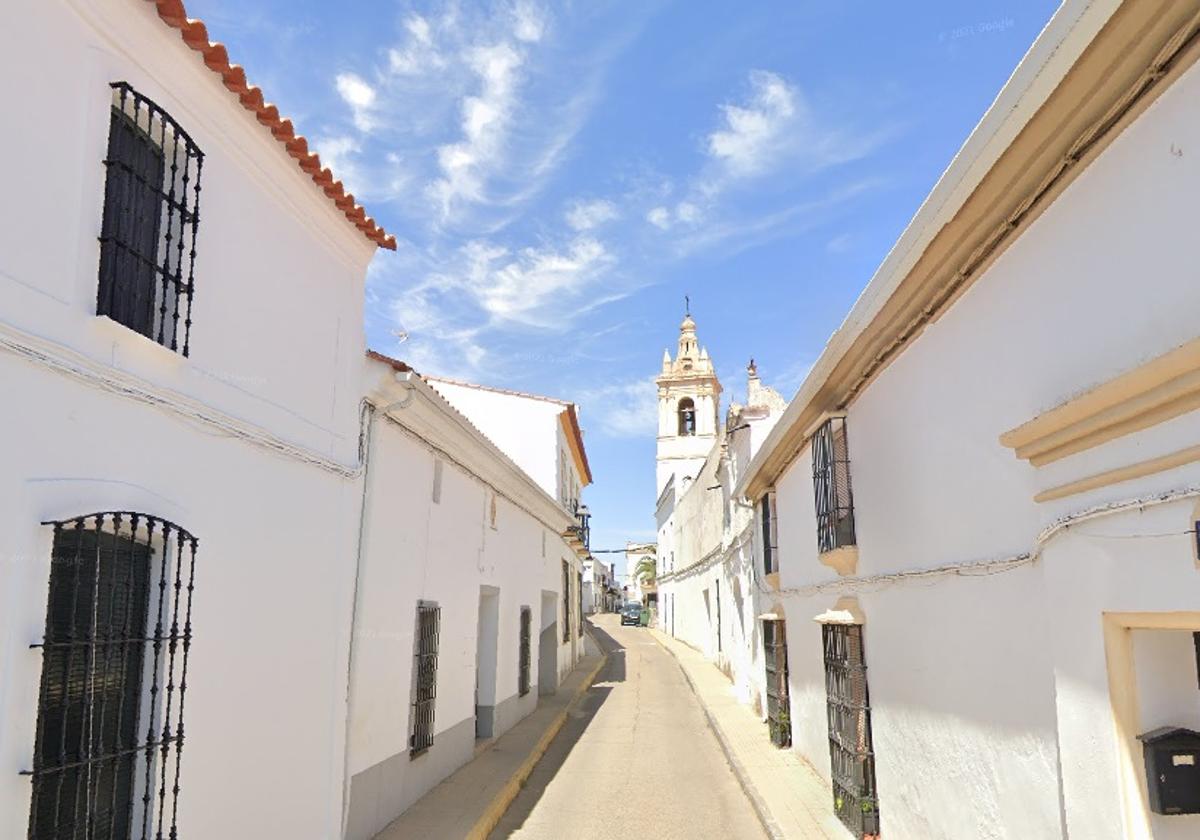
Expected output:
(687, 417)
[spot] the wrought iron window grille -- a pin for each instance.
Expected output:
(767, 519)
(523, 655)
(579, 591)
(831, 486)
(110, 735)
(775, 657)
(429, 617)
(148, 229)
(851, 751)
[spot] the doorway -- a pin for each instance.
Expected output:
(548, 645)
(485, 661)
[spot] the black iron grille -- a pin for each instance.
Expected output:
(775, 656)
(109, 734)
(768, 534)
(579, 590)
(523, 652)
(566, 634)
(429, 618)
(831, 486)
(151, 211)
(851, 754)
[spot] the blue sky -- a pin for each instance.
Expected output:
(560, 175)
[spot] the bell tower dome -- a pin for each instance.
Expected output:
(689, 399)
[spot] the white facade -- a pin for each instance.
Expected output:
(689, 400)
(635, 553)
(710, 585)
(254, 443)
(450, 521)
(1024, 617)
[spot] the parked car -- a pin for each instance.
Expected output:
(631, 614)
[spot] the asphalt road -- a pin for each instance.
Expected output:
(635, 759)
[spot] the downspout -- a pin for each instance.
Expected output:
(365, 436)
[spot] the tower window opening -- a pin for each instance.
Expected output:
(687, 417)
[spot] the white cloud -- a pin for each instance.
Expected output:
(360, 96)
(534, 284)
(687, 212)
(754, 131)
(660, 217)
(530, 25)
(419, 54)
(485, 118)
(623, 409)
(586, 215)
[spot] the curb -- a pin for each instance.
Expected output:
(756, 801)
(499, 804)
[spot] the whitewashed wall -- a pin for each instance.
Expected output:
(277, 333)
(982, 686)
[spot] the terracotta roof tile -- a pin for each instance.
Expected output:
(216, 57)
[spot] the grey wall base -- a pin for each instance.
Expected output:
(383, 792)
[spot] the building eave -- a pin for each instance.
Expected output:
(1093, 69)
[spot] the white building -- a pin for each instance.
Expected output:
(633, 589)
(709, 588)
(986, 490)
(597, 586)
(187, 519)
(457, 535)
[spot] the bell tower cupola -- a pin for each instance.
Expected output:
(689, 398)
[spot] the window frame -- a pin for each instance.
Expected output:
(833, 495)
(423, 709)
(147, 792)
(149, 220)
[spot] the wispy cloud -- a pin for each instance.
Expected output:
(754, 134)
(360, 96)
(586, 215)
(622, 409)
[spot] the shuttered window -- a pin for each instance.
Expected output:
(523, 655)
(424, 678)
(767, 518)
(775, 657)
(148, 228)
(566, 594)
(851, 751)
(831, 486)
(118, 633)
(579, 590)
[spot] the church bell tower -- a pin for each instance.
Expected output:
(689, 399)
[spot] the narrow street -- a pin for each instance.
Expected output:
(636, 756)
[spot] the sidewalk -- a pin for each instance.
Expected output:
(791, 799)
(470, 802)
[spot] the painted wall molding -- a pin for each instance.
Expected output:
(1157, 391)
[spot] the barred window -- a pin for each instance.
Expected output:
(566, 583)
(109, 739)
(775, 657)
(579, 589)
(523, 655)
(851, 752)
(831, 486)
(148, 230)
(767, 517)
(429, 617)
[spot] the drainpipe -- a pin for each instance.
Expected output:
(365, 436)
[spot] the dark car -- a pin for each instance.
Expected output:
(631, 614)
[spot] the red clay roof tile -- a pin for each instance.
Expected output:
(216, 57)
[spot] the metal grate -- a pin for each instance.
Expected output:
(151, 212)
(523, 652)
(778, 707)
(107, 749)
(424, 678)
(831, 486)
(851, 755)
(566, 583)
(768, 534)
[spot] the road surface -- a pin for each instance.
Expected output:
(635, 759)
